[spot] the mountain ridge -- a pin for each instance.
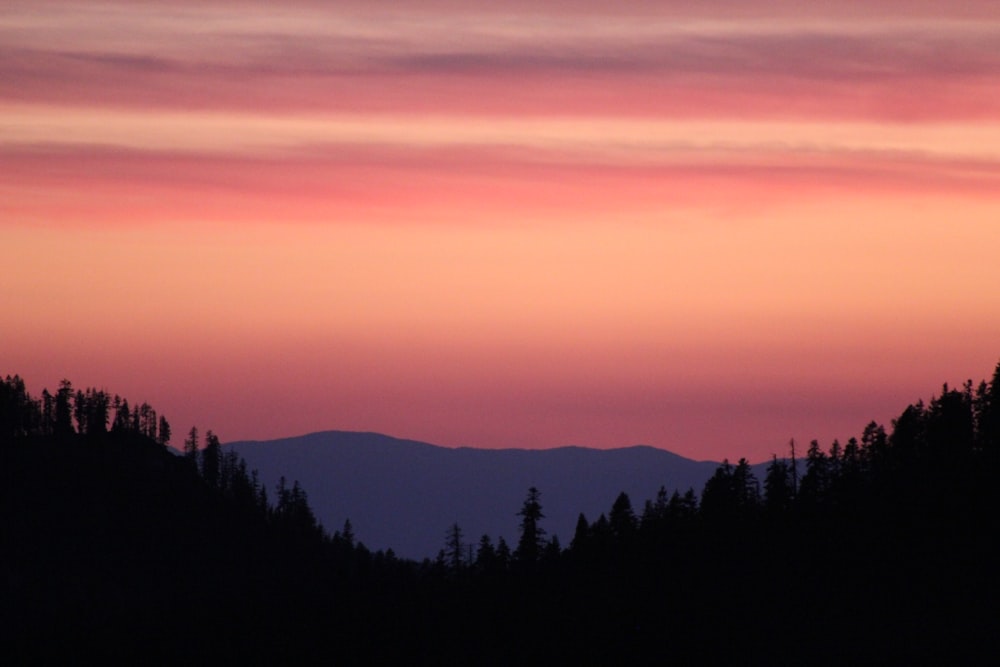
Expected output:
(403, 494)
(411, 441)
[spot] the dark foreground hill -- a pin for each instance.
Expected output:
(115, 549)
(403, 495)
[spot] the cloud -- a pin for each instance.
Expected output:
(576, 63)
(487, 185)
(810, 55)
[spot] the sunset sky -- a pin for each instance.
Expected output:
(709, 227)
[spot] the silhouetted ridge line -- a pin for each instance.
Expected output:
(880, 550)
(393, 490)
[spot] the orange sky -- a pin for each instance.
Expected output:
(517, 226)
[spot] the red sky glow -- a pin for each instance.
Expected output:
(504, 224)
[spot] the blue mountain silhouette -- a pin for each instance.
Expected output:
(404, 494)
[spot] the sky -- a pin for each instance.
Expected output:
(708, 227)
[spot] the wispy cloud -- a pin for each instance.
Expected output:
(473, 221)
(569, 63)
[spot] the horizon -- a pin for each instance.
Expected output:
(702, 228)
(404, 439)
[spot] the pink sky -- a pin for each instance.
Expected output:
(504, 224)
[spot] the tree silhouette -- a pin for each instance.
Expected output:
(504, 555)
(211, 463)
(778, 493)
(887, 546)
(718, 498)
(63, 409)
(486, 556)
(163, 436)
(581, 535)
(529, 546)
(191, 447)
(17, 410)
(622, 518)
(816, 481)
(987, 410)
(454, 547)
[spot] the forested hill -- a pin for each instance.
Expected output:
(403, 494)
(877, 550)
(115, 546)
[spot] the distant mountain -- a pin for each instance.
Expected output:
(403, 494)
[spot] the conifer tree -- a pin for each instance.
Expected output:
(486, 555)
(63, 410)
(163, 434)
(347, 534)
(454, 547)
(777, 486)
(504, 556)
(529, 546)
(80, 411)
(48, 413)
(816, 480)
(622, 517)
(581, 534)
(190, 443)
(211, 459)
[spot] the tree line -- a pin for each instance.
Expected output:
(67, 412)
(874, 549)
(957, 431)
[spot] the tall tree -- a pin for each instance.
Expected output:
(778, 492)
(80, 412)
(63, 409)
(875, 443)
(717, 497)
(504, 557)
(581, 535)
(950, 427)
(211, 459)
(622, 518)
(454, 547)
(746, 487)
(347, 533)
(529, 546)
(987, 408)
(17, 409)
(48, 413)
(190, 444)
(816, 480)
(486, 555)
(122, 415)
(163, 436)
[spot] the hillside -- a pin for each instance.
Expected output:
(403, 495)
(880, 551)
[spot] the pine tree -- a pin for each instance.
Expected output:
(190, 443)
(347, 533)
(486, 555)
(63, 410)
(211, 459)
(778, 486)
(987, 413)
(504, 557)
(581, 535)
(529, 546)
(121, 418)
(80, 411)
(717, 498)
(746, 488)
(815, 482)
(163, 436)
(622, 518)
(453, 547)
(48, 413)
